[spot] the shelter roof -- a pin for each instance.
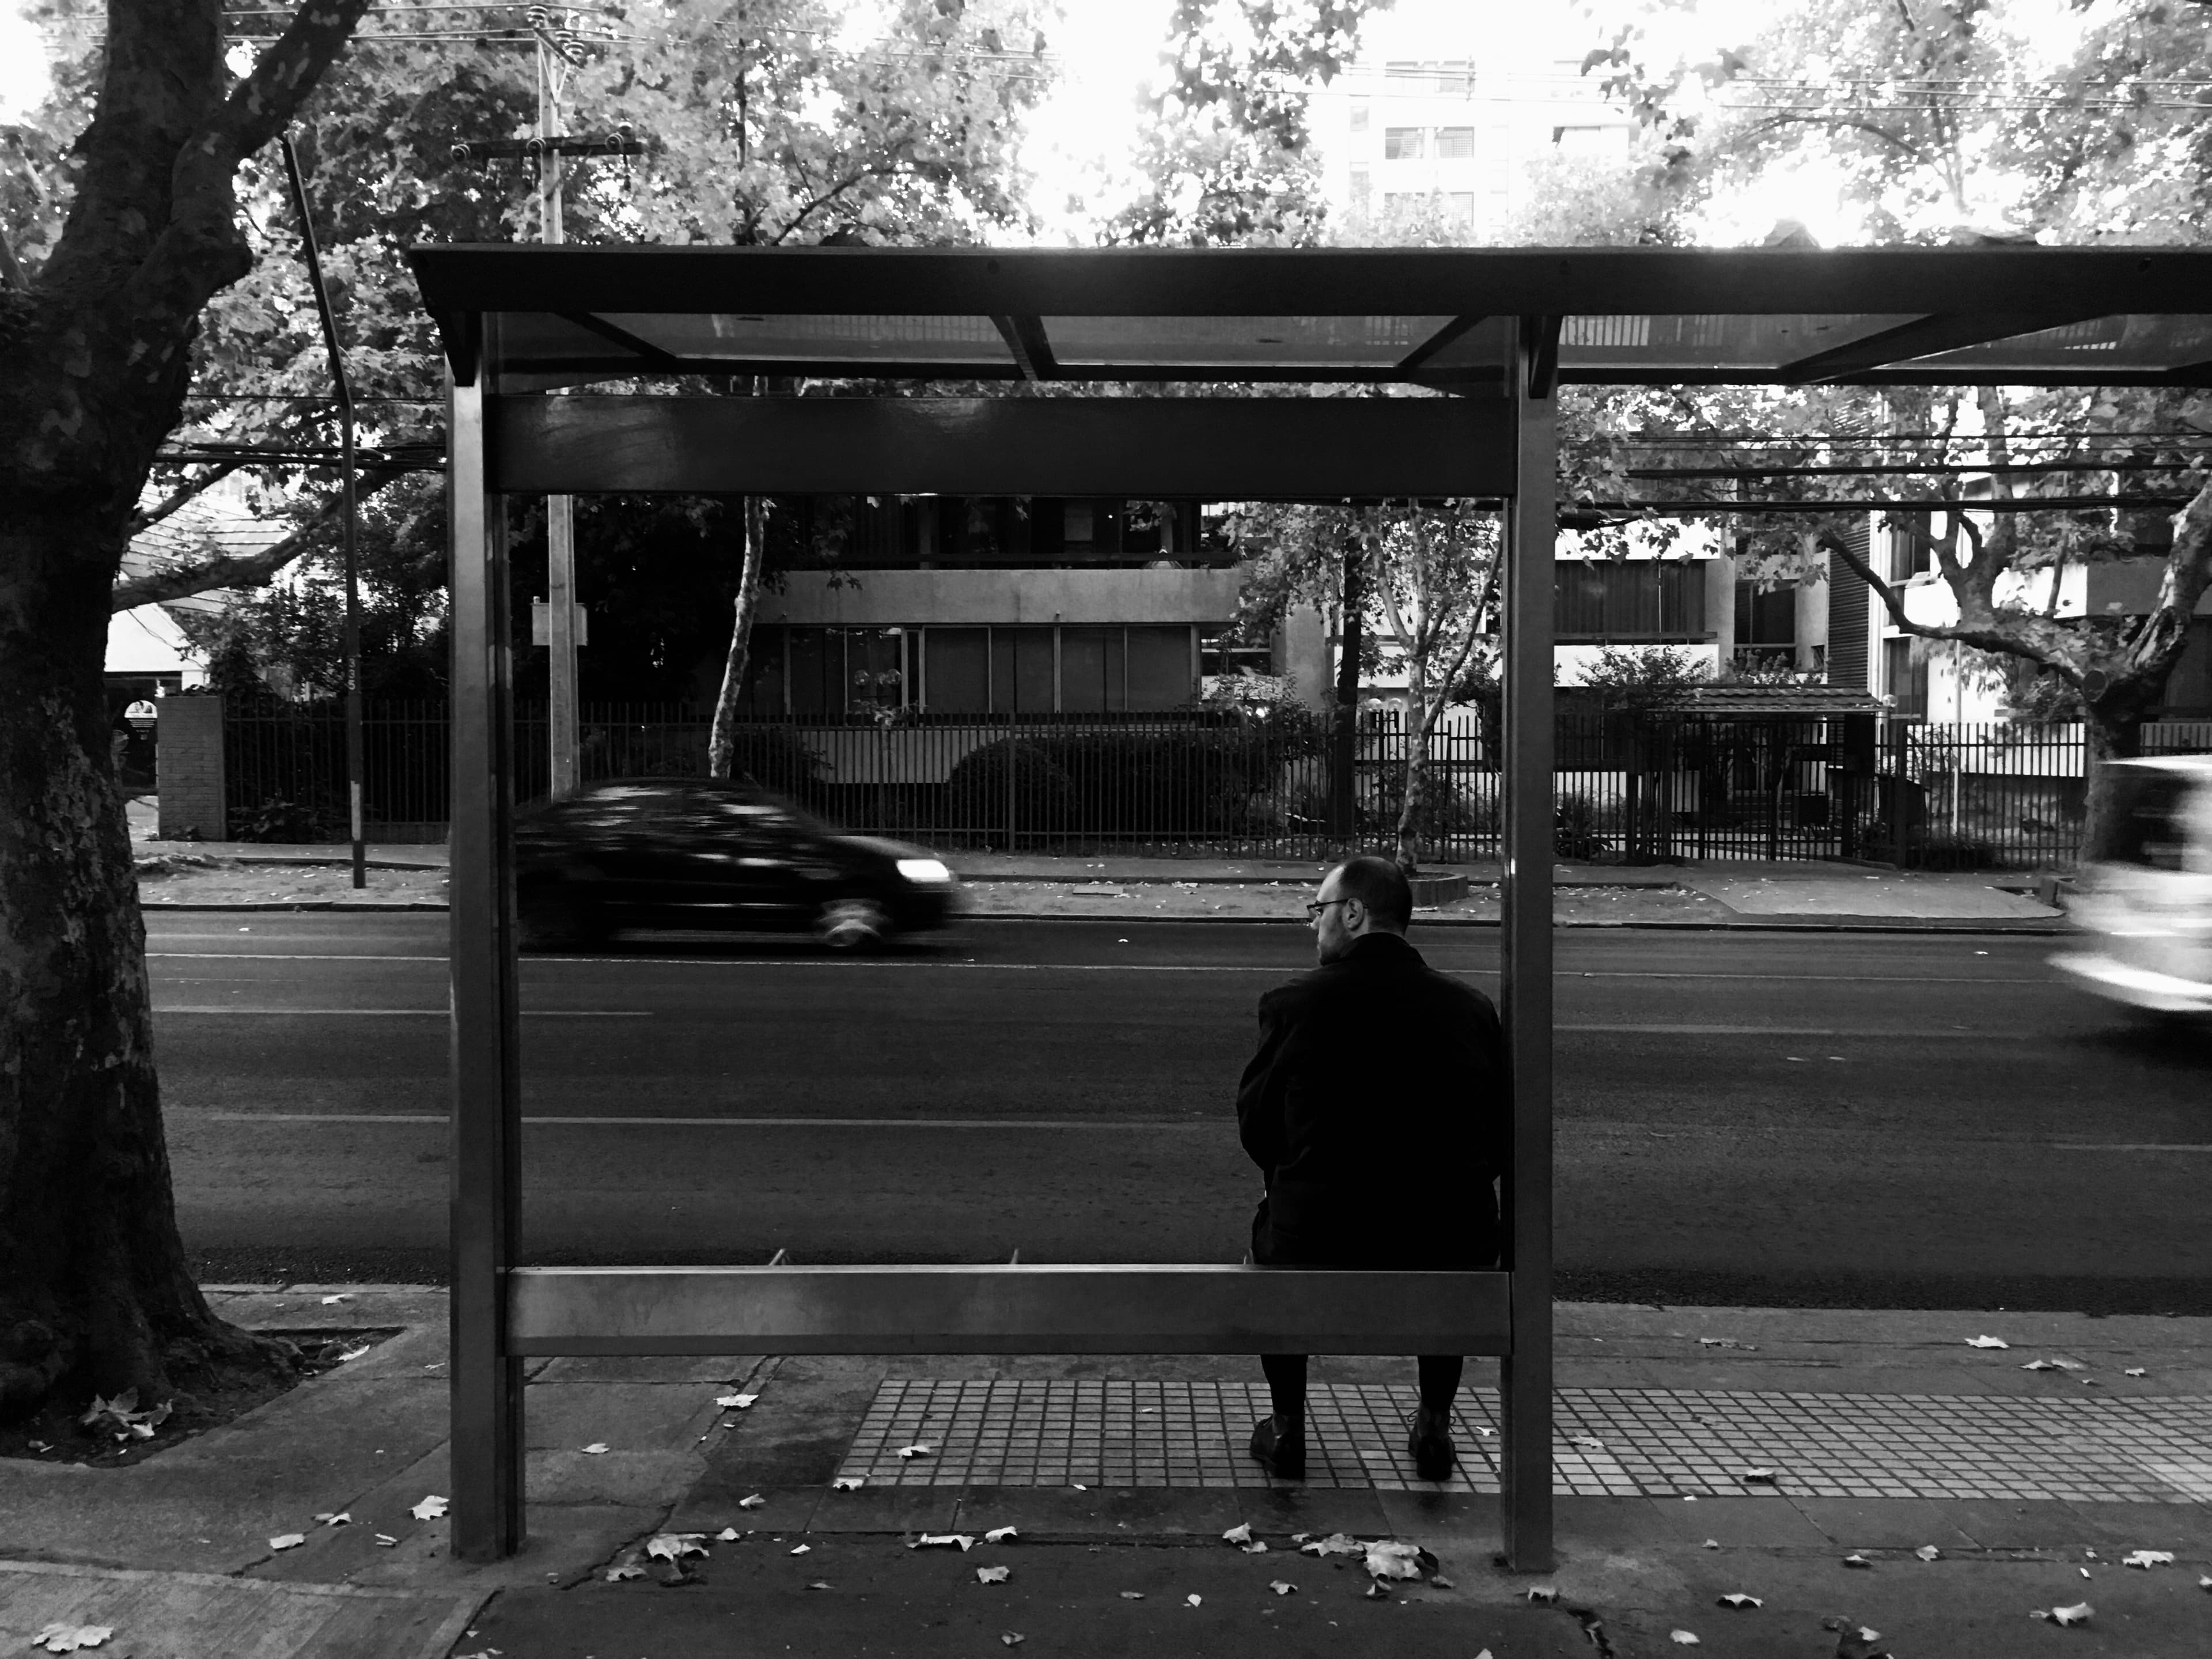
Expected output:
(1435, 317)
(1805, 698)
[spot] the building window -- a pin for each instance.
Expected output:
(1461, 205)
(1904, 677)
(833, 673)
(1908, 553)
(1766, 617)
(1405, 143)
(1077, 522)
(955, 670)
(1359, 115)
(1641, 600)
(1217, 655)
(1454, 143)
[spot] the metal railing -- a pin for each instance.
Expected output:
(1923, 794)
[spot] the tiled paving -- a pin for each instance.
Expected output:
(1652, 1443)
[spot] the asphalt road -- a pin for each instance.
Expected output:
(1808, 1118)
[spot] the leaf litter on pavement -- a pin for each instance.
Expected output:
(68, 1639)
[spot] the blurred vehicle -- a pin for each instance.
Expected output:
(2144, 897)
(693, 853)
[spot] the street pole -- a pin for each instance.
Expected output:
(560, 510)
(352, 738)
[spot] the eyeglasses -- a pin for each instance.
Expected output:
(1314, 910)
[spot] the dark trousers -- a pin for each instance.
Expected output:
(1286, 1383)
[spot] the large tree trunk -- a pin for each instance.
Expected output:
(722, 741)
(1417, 770)
(94, 1292)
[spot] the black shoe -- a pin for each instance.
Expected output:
(1430, 1444)
(1282, 1455)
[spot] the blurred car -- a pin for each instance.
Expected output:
(2143, 901)
(692, 853)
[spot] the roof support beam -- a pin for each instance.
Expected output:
(1436, 342)
(1025, 337)
(1199, 448)
(649, 355)
(1923, 337)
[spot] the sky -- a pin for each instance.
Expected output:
(23, 65)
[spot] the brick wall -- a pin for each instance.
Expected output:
(189, 736)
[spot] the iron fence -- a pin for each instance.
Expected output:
(1197, 781)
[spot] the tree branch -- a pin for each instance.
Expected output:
(184, 496)
(242, 569)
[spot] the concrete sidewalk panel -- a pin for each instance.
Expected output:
(1871, 1524)
(1060, 1599)
(183, 1615)
(1042, 1512)
(888, 1509)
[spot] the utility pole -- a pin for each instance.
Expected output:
(352, 736)
(558, 51)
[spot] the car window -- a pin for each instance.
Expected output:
(2151, 818)
(622, 807)
(756, 810)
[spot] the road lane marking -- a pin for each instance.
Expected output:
(2126, 1146)
(1210, 1125)
(428, 1013)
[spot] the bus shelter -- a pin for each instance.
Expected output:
(1364, 373)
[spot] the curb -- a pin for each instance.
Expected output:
(2030, 928)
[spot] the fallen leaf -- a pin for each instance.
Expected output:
(994, 1575)
(675, 1546)
(1012, 1639)
(1377, 1590)
(2079, 1614)
(1187, 1600)
(1239, 1534)
(802, 1549)
(2148, 1559)
(333, 1301)
(387, 1541)
(2135, 1370)
(944, 1539)
(597, 1448)
(343, 1518)
(1078, 1484)
(1987, 1342)
(1727, 1342)
(822, 1583)
(735, 1402)
(1337, 1543)
(287, 1540)
(1440, 1582)
(756, 1500)
(1394, 1560)
(1282, 1587)
(1300, 1537)
(1132, 1596)
(2204, 1582)
(917, 1449)
(616, 1575)
(1000, 1534)
(1859, 1561)
(68, 1639)
(2054, 1365)
(1255, 1548)
(1712, 1543)
(1543, 1595)
(848, 1483)
(728, 1535)
(1589, 1443)
(1739, 1601)
(1928, 1553)
(1683, 1639)
(1761, 1477)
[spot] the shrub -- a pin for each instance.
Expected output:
(975, 792)
(1575, 829)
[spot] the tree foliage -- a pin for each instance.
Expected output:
(1226, 156)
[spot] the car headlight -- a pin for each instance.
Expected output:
(927, 871)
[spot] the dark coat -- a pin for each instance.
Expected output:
(1378, 1110)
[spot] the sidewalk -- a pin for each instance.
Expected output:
(1746, 894)
(1885, 1434)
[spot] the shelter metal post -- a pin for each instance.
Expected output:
(1525, 1376)
(486, 1162)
